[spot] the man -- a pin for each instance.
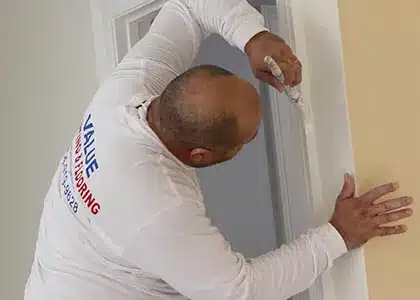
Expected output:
(124, 217)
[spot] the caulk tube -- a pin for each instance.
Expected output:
(292, 92)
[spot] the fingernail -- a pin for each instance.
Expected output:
(395, 185)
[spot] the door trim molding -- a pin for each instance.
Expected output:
(109, 17)
(313, 31)
(289, 150)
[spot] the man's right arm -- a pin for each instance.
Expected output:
(181, 247)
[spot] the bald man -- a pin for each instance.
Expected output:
(124, 217)
(206, 115)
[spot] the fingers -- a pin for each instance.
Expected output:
(390, 205)
(391, 230)
(297, 67)
(298, 78)
(349, 187)
(292, 70)
(380, 191)
(392, 216)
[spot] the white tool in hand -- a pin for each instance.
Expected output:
(292, 92)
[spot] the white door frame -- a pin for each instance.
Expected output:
(314, 34)
(115, 24)
(318, 165)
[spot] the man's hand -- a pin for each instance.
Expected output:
(266, 43)
(359, 219)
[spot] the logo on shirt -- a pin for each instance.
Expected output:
(85, 163)
(67, 183)
(77, 166)
(90, 164)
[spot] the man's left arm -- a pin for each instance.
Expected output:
(173, 41)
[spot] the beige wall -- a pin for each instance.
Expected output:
(382, 64)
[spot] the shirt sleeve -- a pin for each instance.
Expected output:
(171, 44)
(181, 247)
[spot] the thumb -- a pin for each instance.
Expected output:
(271, 80)
(349, 187)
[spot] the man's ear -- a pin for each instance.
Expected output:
(200, 156)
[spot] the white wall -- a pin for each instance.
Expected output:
(47, 78)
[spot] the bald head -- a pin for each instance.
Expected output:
(209, 107)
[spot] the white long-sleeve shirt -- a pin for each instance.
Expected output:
(124, 219)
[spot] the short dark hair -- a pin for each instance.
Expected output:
(182, 124)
